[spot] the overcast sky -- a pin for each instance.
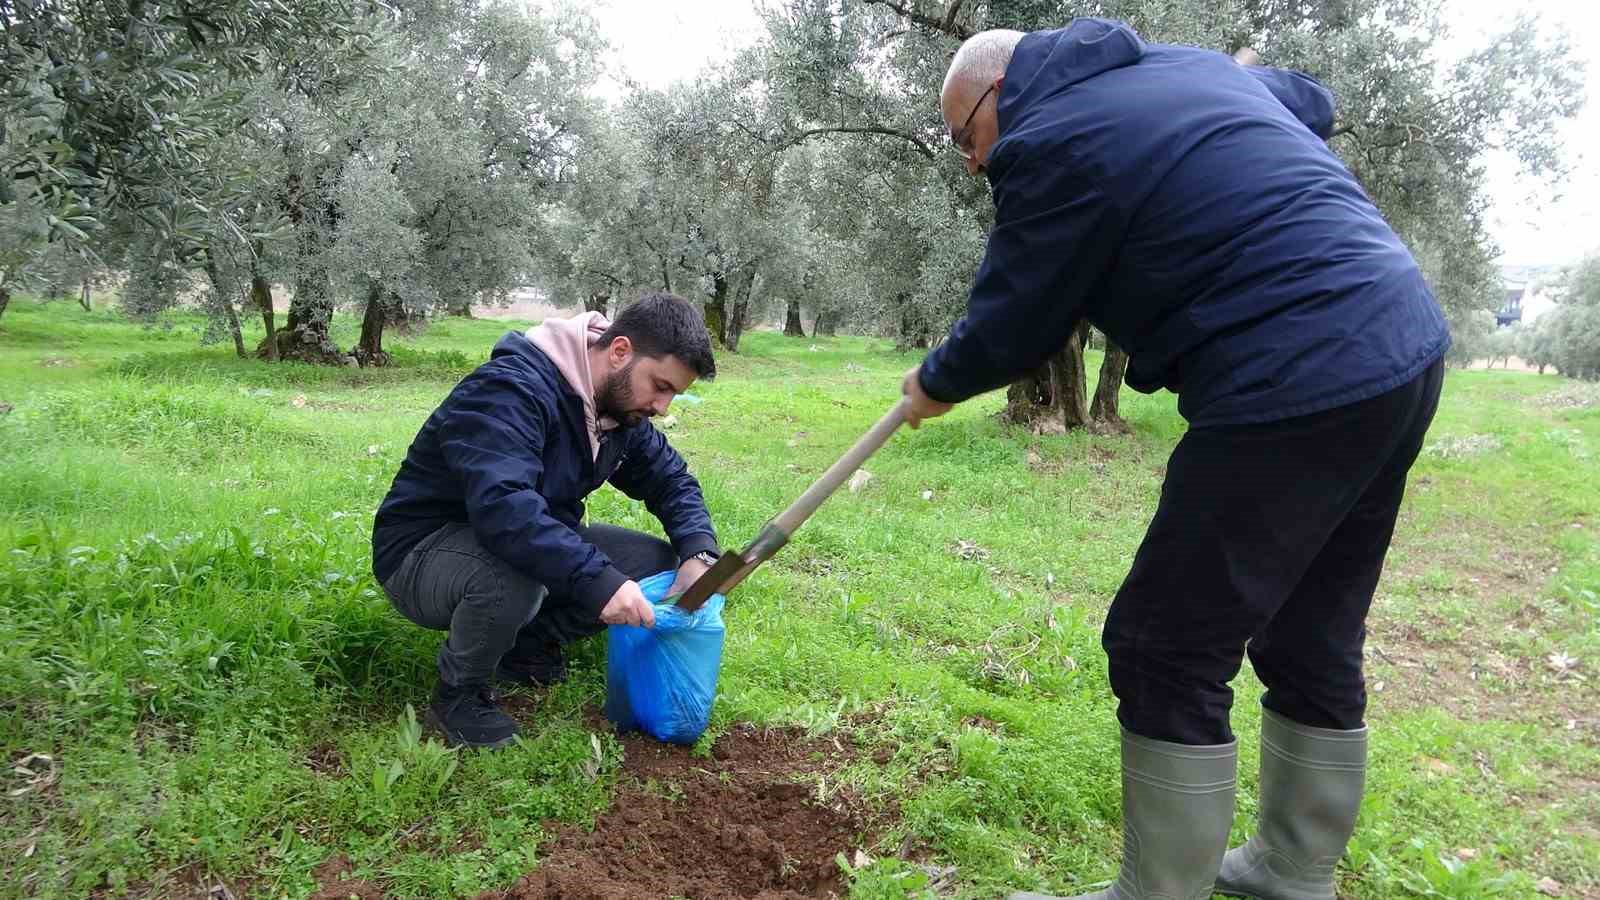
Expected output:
(660, 42)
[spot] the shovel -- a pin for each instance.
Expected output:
(732, 568)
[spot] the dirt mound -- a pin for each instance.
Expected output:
(745, 823)
(334, 882)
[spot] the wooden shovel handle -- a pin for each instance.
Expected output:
(868, 444)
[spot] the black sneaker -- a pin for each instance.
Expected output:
(469, 717)
(544, 667)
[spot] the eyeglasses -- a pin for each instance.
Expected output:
(960, 137)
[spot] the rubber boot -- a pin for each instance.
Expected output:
(1177, 807)
(1311, 785)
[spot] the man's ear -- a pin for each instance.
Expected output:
(620, 351)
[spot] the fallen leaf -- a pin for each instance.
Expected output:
(1378, 687)
(859, 480)
(1549, 887)
(862, 860)
(299, 401)
(1467, 853)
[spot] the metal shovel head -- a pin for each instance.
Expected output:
(709, 583)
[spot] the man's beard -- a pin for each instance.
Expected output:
(616, 397)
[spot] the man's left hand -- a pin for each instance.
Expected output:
(922, 406)
(688, 574)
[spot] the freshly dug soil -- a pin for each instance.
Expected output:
(742, 824)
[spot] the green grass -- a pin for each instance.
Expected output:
(187, 616)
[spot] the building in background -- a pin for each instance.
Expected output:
(1527, 294)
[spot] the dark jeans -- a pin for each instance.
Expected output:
(1271, 536)
(449, 582)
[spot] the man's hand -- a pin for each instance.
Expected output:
(922, 406)
(688, 574)
(628, 607)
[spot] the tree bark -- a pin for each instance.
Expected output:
(305, 336)
(741, 312)
(791, 321)
(464, 310)
(599, 301)
(226, 302)
(1053, 400)
(5, 299)
(824, 325)
(716, 310)
(84, 299)
(261, 293)
(1103, 410)
(369, 349)
(913, 333)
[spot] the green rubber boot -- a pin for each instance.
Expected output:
(1177, 807)
(1311, 785)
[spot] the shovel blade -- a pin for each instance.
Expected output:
(711, 582)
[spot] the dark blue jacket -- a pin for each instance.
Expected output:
(1188, 207)
(508, 452)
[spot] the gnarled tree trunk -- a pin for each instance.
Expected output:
(791, 321)
(261, 295)
(599, 301)
(5, 299)
(1103, 409)
(741, 312)
(1053, 400)
(825, 325)
(84, 300)
(369, 349)
(305, 337)
(716, 309)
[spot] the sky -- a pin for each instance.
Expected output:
(1534, 224)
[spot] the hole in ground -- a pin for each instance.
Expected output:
(744, 823)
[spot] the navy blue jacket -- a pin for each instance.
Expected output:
(508, 452)
(1189, 208)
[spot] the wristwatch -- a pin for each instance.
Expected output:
(707, 557)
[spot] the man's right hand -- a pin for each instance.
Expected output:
(629, 607)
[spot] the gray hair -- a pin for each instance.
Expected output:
(981, 59)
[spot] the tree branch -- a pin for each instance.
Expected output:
(921, 145)
(944, 26)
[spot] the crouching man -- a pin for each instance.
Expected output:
(482, 533)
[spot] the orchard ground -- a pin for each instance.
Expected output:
(203, 693)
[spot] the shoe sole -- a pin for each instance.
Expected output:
(456, 740)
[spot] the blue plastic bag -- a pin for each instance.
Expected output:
(662, 680)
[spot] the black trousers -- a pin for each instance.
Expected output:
(1269, 538)
(449, 582)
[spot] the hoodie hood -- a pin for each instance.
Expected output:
(567, 343)
(1046, 63)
